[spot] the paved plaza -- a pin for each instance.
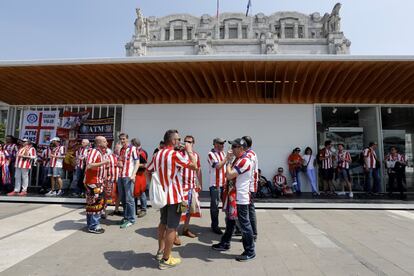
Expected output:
(39, 239)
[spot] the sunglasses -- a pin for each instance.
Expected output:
(190, 142)
(235, 147)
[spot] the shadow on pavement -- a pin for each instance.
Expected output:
(69, 225)
(202, 252)
(127, 260)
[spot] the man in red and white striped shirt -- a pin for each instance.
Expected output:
(95, 177)
(371, 168)
(23, 164)
(192, 184)
(81, 154)
(344, 160)
(217, 169)
(11, 148)
(56, 167)
(166, 164)
(253, 183)
(395, 164)
(128, 163)
(327, 158)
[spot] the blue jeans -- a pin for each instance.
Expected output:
(126, 190)
(92, 220)
(372, 175)
(312, 178)
(214, 205)
(246, 229)
(77, 181)
(143, 201)
(252, 215)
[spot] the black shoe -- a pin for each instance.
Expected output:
(244, 257)
(217, 231)
(237, 233)
(220, 247)
(97, 231)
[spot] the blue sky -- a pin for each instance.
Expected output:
(49, 29)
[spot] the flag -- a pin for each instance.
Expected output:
(218, 7)
(249, 5)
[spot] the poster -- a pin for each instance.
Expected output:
(39, 126)
(97, 127)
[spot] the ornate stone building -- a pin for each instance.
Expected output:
(236, 33)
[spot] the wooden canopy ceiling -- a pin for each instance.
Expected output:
(209, 80)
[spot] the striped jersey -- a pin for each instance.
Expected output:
(243, 167)
(327, 163)
(189, 176)
(217, 176)
(95, 175)
(167, 162)
(255, 170)
(370, 158)
(55, 162)
(80, 156)
(25, 163)
(12, 150)
(112, 168)
(279, 179)
(128, 156)
(3, 157)
(344, 159)
(45, 156)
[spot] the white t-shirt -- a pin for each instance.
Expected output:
(311, 162)
(243, 166)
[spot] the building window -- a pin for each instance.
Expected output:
(277, 31)
(189, 33)
(244, 32)
(221, 32)
(233, 33)
(289, 32)
(167, 34)
(178, 34)
(300, 32)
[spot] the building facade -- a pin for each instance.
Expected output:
(236, 33)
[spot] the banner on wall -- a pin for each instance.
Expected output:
(39, 126)
(70, 124)
(97, 127)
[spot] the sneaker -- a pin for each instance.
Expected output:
(217, 231)
(189, 234)
(59, 193)
(245, 257)
(170, 263)
(97, 231)
(341, 193)
(22, 193)
(141, 213)
(122, 221)
(351, 195)
(159, 255)
(51, 193)
(12, 193)
(126, 224)
(220, 247)
(177, 240)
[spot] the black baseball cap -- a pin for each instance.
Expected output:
(239, 142)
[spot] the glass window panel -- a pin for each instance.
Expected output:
(232, 33)
(178, 34)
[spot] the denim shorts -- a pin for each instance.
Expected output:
(55, 172)
(170, 215)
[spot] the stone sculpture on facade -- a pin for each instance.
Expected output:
(236, 33)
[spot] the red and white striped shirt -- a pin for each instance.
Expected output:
(327, 163)
(55, 162)
(255, 167)
(217, 176)
(46, 156)
(25, 163)
(81, 155)
(166, 163)
(3, 157)
(370, 158)
(344, 159)
(279, 179)
(95, 175)
(189, 176)
(128, 156)
(243, 166)
(11, 149)
(112, 169)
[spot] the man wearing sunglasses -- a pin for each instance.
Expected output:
(216, 160)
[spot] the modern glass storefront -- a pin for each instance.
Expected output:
(356, 126)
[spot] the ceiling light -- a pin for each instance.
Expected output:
(334, 110)
(389, 110)
(357, 110)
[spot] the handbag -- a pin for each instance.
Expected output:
(304, 168)
(157, 194)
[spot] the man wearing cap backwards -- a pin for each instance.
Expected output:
(253, 182)
(56, 167)
(217, 170)
(239, 174)
(23, 164)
